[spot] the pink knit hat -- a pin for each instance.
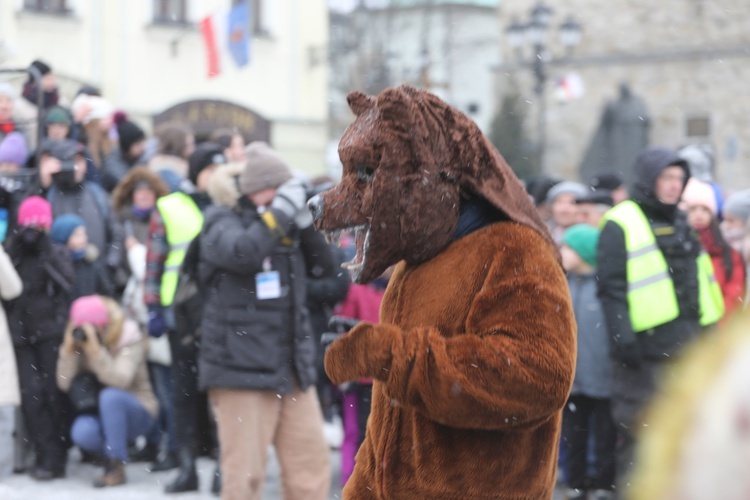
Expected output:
(89, 310)
(699, 193)
(35, 211)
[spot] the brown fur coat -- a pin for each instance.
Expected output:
(474, 356)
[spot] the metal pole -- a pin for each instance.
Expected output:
(541, 78)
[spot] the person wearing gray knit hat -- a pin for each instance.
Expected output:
(576, 189)
(562, 201)
(264, 169)
(268, 182)
(736, 211)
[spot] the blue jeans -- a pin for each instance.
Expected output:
(161, 381)
(121, 418)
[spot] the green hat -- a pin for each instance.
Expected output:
(57, 114)
(583, 239)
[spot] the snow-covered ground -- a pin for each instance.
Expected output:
(141, 484)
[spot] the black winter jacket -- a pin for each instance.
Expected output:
(41, 311)
(91, 277)
(249, 343)
(324, 293)
(680, 247)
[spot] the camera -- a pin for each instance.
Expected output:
(79, 335)
(340, 325)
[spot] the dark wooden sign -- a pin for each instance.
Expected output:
(207, 115)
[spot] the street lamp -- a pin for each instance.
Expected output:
(534, 33)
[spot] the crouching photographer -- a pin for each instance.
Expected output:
(104, 354)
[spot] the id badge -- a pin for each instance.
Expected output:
(268, 285)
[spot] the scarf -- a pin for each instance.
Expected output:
(474, 214)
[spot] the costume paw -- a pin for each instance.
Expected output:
(363, 352)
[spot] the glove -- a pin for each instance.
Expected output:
(291, 200)
(627, 353)
(157, 325)
(366, 351)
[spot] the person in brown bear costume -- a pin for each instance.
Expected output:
(474, 356)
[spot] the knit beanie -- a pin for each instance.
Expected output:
(583, 239)
(7, 90)
(700, 193)
(608, 181)
(57, 114)
(91, 310)
(63, 227)
(89, 108)
(577, 189)
(264, 169)
(128, 132)
(43, 67)
(35, 211)
(205, 155)
(700, 160)
(13, 149)
(738, 205)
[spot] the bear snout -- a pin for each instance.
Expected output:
(315, 204)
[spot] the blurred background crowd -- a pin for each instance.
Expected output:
(129, 128)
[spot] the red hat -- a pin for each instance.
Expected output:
(35, 211)
(89, 310)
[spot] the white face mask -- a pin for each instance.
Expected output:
(734, 237)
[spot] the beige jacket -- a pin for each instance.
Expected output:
(11, 287)
(121, 364)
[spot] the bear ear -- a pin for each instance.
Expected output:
(359, 102)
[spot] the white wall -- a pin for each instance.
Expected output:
(114, 45)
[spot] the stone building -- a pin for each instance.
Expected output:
(446, 46)
(689, 60)
(148, 57)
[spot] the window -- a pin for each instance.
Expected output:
(170, 12)
(698, 127)
(47, 6)
(257, 25)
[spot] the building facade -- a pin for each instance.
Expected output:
(688, 60)
(445, 46)
(149, 56)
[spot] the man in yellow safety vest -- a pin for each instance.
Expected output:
(657, 289)
(177, 220)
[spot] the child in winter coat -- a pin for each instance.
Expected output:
(587, 414)
(69, 231)
(729, 268)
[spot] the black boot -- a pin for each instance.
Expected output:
(216, 484)
(168, 462)
(149, 453)
(187, 479)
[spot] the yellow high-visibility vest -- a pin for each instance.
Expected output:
(652, 300)
(183, 221)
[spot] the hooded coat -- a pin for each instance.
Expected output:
(474, 354)
(122, 199)
(680, 247)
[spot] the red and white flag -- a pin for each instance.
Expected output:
(215, 36)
